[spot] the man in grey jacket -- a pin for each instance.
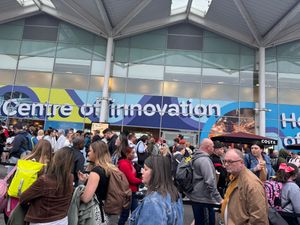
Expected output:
(205, 193)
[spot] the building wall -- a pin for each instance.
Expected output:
(177, 78)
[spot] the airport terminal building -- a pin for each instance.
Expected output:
(153, 65)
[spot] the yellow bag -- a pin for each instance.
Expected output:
(26, 174)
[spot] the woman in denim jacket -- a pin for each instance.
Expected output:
(259, 162)
(162, 204)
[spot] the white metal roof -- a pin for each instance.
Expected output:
(253, 22)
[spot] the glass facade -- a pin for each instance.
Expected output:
(180, 77)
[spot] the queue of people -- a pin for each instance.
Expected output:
(235, 181)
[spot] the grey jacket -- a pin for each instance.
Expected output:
(204, 180)
(82, 213)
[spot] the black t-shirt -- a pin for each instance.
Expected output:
(101, 190)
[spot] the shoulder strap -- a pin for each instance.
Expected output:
(10, 174)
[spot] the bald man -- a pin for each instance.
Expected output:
(245, 200)
(205, 193)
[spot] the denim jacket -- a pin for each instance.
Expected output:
(158, 210)
(251, 162)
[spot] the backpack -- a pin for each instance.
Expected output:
(184, 174)
(118, 195)
(3, 189)
(26, 174)
(30, 143)
(273, 192)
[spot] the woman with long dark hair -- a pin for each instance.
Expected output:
(162, 203)
(259, 162)
(50, 196)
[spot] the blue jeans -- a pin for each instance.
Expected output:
(204, 214)
(125, 212)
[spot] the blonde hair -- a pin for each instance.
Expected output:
(102, 156)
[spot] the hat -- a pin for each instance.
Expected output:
(218, 144)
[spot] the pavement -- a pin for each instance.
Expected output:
(188, 213)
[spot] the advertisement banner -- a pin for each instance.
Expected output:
(210, 117)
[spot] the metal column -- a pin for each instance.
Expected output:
(105, 93)
(262, 92)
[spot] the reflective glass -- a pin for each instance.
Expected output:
(146, 71)
(72, 66)
(215, 60)
(183, 58)
(34, 79)
(119, 70)
(147, 87)
(98, 68)
(121, 54)
(248, 94)
(220, 76)
(8, 61)
(146, 56)
(99, 52)
(7, 76)
(289, 80)
(9, 47)
(73, 81)
(220, 45)
(220, 92)
(36, 63)
(271, 95)
(150, 40)
(38, 48)
(117, 84)
(179, 89)
(72, 34)
(74, 51)
(11, 32)
(96, 83)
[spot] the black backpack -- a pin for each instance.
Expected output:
(184, 174)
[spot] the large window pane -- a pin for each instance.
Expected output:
(72, 34)
(121, 54)
(119, 70)
(220, 45)
(288, 65)
(147, 87)
(289, 80)
(271, 95)
(99, 52)
(183, 58)
(33, 79)
(117, 84)
(8, 61)
(248, 78)
(248, 94)
(7, 76)
(9, 47)
(288, 96)
(151, 40)
(73, 81)
(220, 76)
(36, 63)
(74, 51)
(146, 71)
(187, 90)
(146, 56)
(226, 61)
(220, 92)
(76, 66)
(98, 68)
(185, 74)
(11, 32)
(96, 83)
(38, 48)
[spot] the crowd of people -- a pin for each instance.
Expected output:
(229, 180)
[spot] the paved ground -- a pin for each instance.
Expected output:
(188, 214)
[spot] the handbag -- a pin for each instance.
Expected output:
(275, 218)
(26, 174)
(3, 189)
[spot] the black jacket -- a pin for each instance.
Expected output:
(19, 145)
